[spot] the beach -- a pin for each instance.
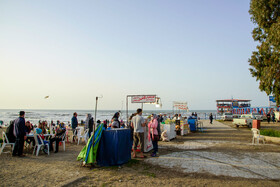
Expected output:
(62, 169)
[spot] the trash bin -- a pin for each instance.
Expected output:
(256, 124)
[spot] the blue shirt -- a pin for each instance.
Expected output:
(19, 127)
(38, 130)
(74, 122)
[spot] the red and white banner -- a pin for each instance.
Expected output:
(143, 99)
(180, 106)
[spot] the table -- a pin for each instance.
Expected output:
(114, 147)
(32, 135)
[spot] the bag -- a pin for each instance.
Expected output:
(156, 138)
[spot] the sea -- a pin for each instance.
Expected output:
(34, 116)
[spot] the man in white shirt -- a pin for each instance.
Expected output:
(138, 123)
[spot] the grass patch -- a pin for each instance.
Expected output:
(270, 132)
(105, 184)
(149, 174)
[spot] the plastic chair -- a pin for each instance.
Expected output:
(77, 132)
(256, 135)
(63, 140)
(38, 145)
(67, 132)
(80, 136)
(200, 126)
(86, 135)
(6, 143)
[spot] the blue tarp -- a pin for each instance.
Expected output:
(114, 147)
(192, 122)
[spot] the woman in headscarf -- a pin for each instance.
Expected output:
(115, 120)
(152, 126)
(89, 124)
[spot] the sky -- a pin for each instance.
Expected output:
(73, 51)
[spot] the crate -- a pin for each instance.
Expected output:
(256, 124)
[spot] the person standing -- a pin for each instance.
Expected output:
(89, 124)
(115, 120)
(138, 123)
(273, 117)
(20, 134)
(268, 117)
(74, 123)
(211, 118)
(130, 126)
(153, 132)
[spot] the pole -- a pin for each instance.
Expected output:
(127, 110)
(95, 116)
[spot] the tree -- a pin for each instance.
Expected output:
(265, 62)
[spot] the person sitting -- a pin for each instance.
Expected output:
(29, 128)
(105, 124)
(57, 137)
(10, 132)
(39, 131)
(44, 127)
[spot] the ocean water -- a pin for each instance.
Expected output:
(65, 116)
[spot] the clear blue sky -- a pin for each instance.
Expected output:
(194, 51)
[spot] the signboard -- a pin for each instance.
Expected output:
(181, 106)
(272, 102)
(143, 99)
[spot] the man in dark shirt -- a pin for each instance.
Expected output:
(59, 135)
(74, 122)
(20, 134)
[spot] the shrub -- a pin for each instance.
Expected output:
(270, 132)
(1, 141)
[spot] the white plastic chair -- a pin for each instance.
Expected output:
(63, 141)
(84, 136)
(256, 135)
(77, 131)
(39, 145)
(6, 143)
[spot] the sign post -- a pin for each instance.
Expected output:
(180, 106)
(272, 102)
(140, 99)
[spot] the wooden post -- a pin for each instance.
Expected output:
(127, 109)
(95, 116)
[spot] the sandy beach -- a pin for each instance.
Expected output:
(62, 169)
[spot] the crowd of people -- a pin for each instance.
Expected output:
(136, 123)
(19, 130)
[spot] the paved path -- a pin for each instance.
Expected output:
(215, 126)
(234, 163)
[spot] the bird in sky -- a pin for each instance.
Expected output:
(46, 97)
